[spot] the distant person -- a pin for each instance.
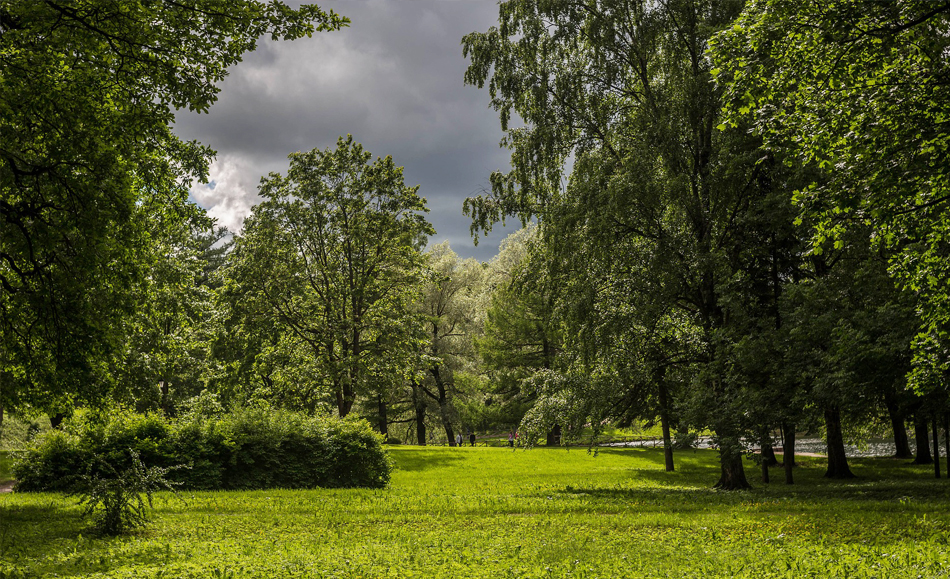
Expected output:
(471, 437)
(458, 439)
(511, 438)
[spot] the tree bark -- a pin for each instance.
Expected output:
(443, 401)
(936, 434)
(922, 439)
(732, 472)
(788, 450)
(554, 436)
(837, 459)
(665, 425)
(419, 404)
(768, 454)
(899, 426)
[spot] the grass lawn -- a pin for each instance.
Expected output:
(492, 512)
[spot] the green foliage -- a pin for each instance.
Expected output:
(243, 449)
(88, 94)
(114, 500)
(491, 512)
(856, 91)
(325, 276)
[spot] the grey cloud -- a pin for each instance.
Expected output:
(393, 80)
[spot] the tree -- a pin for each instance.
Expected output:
(169, 341)
(625, 88)
(857, 90)
(88, 90)
(521, 335)
(331, 261)
(452, 320)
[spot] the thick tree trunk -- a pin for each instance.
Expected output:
(922, 439)
(443, 401)
(899, 426)
(936, 436)
(665, 425)
(554, 436)
(788, 450)
(732, 472)
(837, 459)
(419, 404)
(383, 416)
(768, 452)
(345, 397)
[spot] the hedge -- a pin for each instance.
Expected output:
(256, 448)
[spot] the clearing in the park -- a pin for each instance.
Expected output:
(492, 512)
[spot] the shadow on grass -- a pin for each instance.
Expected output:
(417, 460)
(52, 539)
(879, 480)
(29, 530)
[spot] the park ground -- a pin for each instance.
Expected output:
(495, 512)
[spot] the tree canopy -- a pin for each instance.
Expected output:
(332, 259)
(88, 90)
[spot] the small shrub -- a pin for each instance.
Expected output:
(115, 502)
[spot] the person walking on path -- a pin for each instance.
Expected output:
(511, 438)
(471, 437)
(458, 439)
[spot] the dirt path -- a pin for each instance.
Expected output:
(6, 487)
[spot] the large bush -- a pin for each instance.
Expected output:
(245, 449)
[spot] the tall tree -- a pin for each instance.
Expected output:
(331, 260)
(625, 87)
(858, 90)
(88, 89)
(452, 321)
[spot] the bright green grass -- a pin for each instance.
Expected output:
(488, 512)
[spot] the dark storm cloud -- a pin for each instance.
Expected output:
(393, 80)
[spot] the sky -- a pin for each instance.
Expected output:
(393, 79)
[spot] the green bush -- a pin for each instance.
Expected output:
(253, 448)
(114, 500)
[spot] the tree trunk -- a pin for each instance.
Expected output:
(164, 402)
(899, 426)
(665, 425)
(768, 452)
(554, 436)
(936, 434)
(419, 404)
(837, 459)
(732, 476)
(766, 455)
(922, 439)
(788, 450)
(345, 396)
(383, 416)
(443, 401)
